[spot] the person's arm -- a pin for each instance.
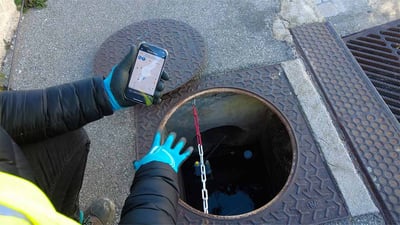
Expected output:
(34, 115)
(153, 196)
(154, 193)
(38, 114)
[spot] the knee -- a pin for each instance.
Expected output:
(80, 139)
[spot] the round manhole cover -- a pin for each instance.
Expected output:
(185, 45)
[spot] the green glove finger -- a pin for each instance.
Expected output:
(160, 85)
(157, 97)
(164, 76)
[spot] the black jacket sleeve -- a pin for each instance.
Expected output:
(154, 196)
(33, 115)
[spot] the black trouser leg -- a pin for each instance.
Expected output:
(59, 165)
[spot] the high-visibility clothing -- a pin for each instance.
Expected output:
(23, 203)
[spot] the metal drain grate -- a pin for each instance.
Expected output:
(377, 50)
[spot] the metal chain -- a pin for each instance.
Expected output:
(204, 192)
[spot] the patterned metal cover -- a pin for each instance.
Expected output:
(309, 197)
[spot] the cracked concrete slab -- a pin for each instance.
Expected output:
(294, 13)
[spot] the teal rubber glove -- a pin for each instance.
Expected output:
(165, 153)
(117, 80)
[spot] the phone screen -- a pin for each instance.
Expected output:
(146, 72)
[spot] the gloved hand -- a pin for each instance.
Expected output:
(166, 153)
(116, 82)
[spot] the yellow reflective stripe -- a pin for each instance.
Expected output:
(26, 198)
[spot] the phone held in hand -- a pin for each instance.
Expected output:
(145, 73)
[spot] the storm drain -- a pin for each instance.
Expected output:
(369, 128)
(377, 50)
(259, 148)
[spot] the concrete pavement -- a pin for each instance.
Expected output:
(8, 23)
(57, 45)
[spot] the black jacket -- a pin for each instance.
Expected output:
(154, 196)
(34, 115)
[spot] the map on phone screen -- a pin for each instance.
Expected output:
(146, 72)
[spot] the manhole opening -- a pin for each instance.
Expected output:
(247, 149)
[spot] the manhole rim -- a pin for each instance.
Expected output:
(282, 119)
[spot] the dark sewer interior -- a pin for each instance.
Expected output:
(247, 150)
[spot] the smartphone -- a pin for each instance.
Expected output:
(145, 73)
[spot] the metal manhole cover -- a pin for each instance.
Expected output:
(185, 45)
(377, 50)
(310, 197)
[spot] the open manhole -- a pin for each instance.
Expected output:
(285, 178)
(247, 149)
